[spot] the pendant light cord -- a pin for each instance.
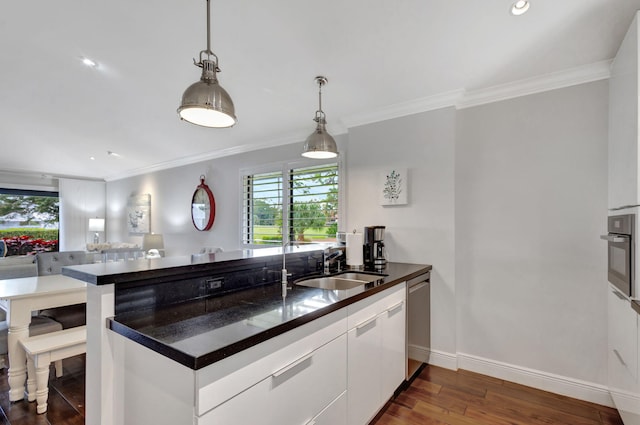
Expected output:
(208, 52)
(209, 28)
(319, 113)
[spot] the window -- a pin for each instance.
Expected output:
(307, 197)
(29, 221)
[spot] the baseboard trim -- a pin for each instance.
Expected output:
(557, 384)
(443, 359)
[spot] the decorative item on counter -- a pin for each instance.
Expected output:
(152, 244)
(354, 250)
(393, 190)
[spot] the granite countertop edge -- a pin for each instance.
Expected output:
(198, 362)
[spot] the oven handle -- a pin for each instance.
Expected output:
(615, 238)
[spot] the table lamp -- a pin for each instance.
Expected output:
(96, 225)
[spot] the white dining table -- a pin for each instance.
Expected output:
(19, 298)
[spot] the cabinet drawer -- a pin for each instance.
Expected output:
(333, 414)
(292, 395)
(225, 379)
(370, 307)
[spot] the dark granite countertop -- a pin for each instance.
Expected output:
(144, 269)
(635, 304)
(201, 332)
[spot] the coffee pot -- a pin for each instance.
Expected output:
(373, 250)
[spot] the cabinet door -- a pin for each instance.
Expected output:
(622, 347)
(363, 371)
(291, 395)
(623, 122)
(393, 366)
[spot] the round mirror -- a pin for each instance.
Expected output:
(203, 207)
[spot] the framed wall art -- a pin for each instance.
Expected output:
(139, 214)
(393, 187)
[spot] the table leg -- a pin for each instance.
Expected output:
(17, 360)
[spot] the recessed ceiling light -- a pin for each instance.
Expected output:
(89, 62)
(93, 158)
(520, 7)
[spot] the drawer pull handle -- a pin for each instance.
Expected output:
(395, 307)
(311, 422)
(619, 295)
(366, 322)
(291, 365)
(619, 357)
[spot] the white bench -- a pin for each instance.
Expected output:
(46, 348)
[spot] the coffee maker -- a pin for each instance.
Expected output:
(373, 250)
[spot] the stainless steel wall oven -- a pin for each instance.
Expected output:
(621, 240)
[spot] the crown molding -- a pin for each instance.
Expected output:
(461, 99)
(556, 80)
(193, 159)
(402, 109)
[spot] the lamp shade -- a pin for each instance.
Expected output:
(207, 104)
(320, 144)
(152, 241)
(96, 224)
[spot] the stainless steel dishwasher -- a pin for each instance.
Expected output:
(418, 323)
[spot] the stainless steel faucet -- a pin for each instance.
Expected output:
(330, 257)
(285, 275)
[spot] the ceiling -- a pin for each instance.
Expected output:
(57, 113)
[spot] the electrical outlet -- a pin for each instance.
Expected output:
(213, 284)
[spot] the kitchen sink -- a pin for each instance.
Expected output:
(365, 277)
(341, 281)
(332, 283)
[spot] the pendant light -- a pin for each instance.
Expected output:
(320, 144)
(205, 102)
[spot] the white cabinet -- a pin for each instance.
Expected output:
(623, 123)
(338, 369)
(394, 357)
(376, 352)
(334, 414)
(623, 357)
(292, 395)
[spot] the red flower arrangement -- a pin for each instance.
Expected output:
(25, 245)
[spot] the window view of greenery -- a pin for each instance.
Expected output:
(311, 209)
(29, 221)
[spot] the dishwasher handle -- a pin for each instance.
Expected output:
(417, 286)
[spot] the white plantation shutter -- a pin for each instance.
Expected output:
(262, 208)
(313, 203)
(310, 208)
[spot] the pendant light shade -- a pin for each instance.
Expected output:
(205, 102)
(320, 144)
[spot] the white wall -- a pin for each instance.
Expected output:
(423, 230)
(171, 191)
(80, 200)
(531, 202)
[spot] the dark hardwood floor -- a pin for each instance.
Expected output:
(440, 396)
(436, 397)
(66, 398)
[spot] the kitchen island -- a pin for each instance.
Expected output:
(215, 319)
